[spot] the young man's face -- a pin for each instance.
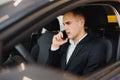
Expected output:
(74, 25)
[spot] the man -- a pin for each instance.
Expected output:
(80, 53)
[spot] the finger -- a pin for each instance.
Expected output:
(60, 35)
(57, 37)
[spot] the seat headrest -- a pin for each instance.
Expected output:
(95, 16)
(53, 25)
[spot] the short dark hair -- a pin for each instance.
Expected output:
(78, 11)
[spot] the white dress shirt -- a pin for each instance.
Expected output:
(71, 47)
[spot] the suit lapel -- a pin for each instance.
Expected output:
(63, 62)
(77, 50)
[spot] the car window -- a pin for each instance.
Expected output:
(99, 25)
(103, 24)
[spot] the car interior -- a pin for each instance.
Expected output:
(38, 43)
(44, 42)
(96, 24)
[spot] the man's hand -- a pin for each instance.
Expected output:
(58, 40)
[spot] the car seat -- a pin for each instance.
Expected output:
(41, 50)
(96, 23)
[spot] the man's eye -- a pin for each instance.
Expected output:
(68, 23)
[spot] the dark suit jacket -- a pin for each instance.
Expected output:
(89, 55)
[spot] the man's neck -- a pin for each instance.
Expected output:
(79, 38)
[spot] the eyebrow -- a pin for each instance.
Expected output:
(67, 22)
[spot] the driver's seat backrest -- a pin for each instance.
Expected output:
(45, 40)
(96, 23)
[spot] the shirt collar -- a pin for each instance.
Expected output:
(72, 42)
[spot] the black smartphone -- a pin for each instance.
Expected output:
(64, 35)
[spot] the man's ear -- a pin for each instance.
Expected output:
(82, 21)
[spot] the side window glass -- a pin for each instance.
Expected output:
(113, 30)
